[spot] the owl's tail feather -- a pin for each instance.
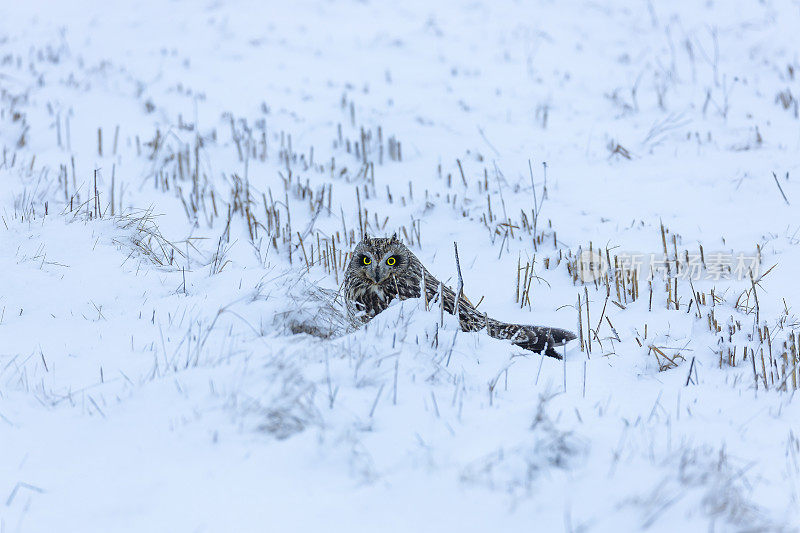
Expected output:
(544, 339)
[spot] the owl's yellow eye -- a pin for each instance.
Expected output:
(391, 261)
(366, 260)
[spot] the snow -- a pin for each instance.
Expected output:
(156, 367)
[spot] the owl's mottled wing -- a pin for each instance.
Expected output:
(534, 338)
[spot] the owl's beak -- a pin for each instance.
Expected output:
(377, 276)
(372, 274)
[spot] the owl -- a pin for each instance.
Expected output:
(382, 269)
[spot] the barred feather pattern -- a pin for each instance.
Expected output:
(370, 288)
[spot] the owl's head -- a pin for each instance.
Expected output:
(375, 260)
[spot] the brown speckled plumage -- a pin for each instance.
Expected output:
(369, 288)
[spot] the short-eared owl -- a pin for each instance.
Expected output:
(383, 269)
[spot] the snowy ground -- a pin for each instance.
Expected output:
(180, 180)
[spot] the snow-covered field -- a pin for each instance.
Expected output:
(181, 182)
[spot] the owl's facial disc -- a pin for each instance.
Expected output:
(389, 264)
(378, 260)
